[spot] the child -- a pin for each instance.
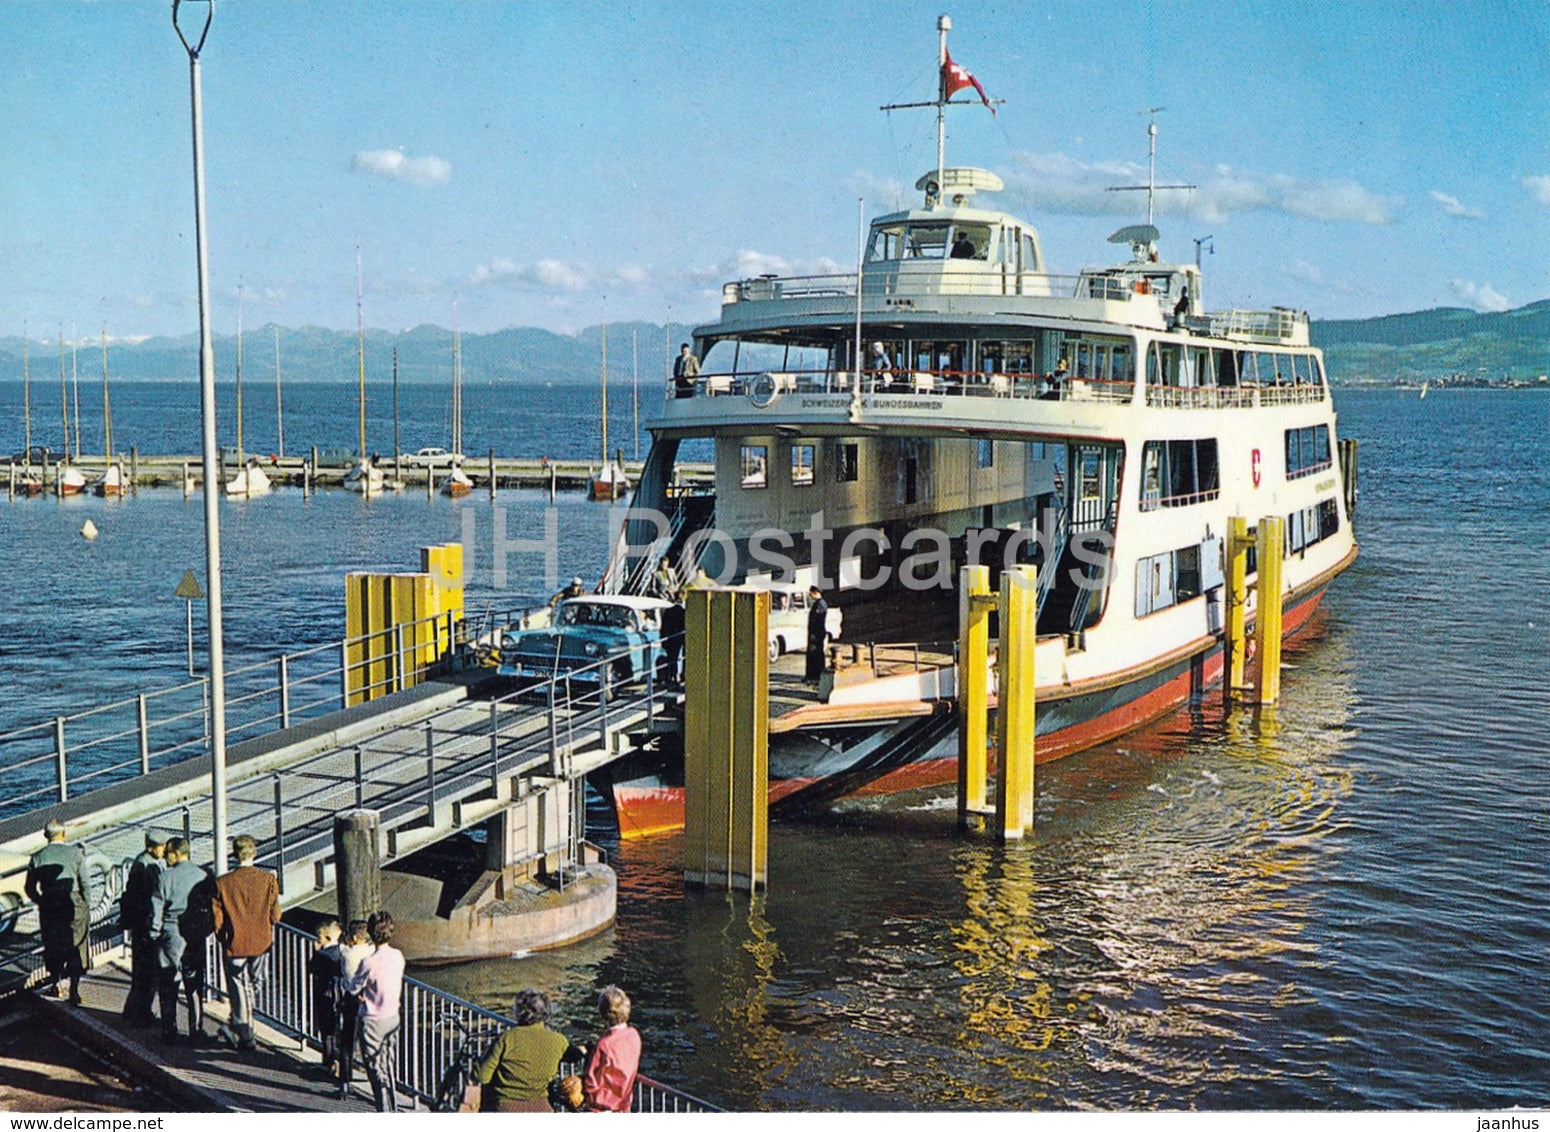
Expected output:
(323, 969)
(352, 953)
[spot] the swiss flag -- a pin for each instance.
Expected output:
(955, 77)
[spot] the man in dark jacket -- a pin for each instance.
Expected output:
(134, 916)
(180, 923)
(817, 633)
(60, 885)
(247, 907)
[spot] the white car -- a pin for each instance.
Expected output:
(433, 458)
(788, 619)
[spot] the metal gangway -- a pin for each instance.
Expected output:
(428, 758)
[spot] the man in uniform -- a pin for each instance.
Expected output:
(817, 633)
(134, 916)
(60, 885)
(686, 367)
(180, 922)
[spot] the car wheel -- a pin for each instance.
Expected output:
(619, 673)
(10, 912)
(775, 649)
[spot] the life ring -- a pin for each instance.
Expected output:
(1254, 462)
(762, 391)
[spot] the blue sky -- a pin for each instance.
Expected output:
(562, 165)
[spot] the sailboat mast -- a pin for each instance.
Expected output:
(64, 395)
(635, 386)
(26, 398)
(75, 390)
(240, 460)
(107, 411)
(457, 383)
(360, 346)
(279, 405)
(605, 395)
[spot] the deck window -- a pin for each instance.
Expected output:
(847, 466)
(1307, 451)
(755, 466)
(801, 465)
(1312, 525)
(1167, 579)
(1177, 473)
(987, 453)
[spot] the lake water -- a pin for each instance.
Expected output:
(1341, 903)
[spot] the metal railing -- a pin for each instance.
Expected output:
(765, 386)
(434, 1026)
(54, 761)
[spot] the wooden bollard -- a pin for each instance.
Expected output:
(975, 603)
(187, 484)
(492, 475)
(553, 483)
(1236, 595)
(1015, 702)
(357, 864)
(134, 470)
(1267, 617)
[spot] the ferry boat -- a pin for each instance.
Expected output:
(955, 400)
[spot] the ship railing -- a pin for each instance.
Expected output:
(914, 277)
(1278, 324)
(53, 761)
(1233, 396)
(764, 387)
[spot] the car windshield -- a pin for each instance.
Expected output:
(596, 613)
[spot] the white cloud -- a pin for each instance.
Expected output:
(1058, 183)
(422, 172)
(1305, 272)
(1539, 186)
(1455, 207)
(1481, 296)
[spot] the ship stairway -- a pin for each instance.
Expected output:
(905, 743)
(690, 514)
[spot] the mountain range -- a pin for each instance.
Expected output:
(1391, 349)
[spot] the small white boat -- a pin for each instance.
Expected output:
(71, 481)
(457, 483)
(250, 481)
(1425, 385)
(365, 478)
(111, 484)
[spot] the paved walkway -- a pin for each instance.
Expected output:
(281, 1076)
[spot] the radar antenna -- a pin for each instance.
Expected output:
(1151, 187)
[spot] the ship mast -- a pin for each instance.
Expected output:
(240, 460)
(26, 398)
(107, 412)
(360, 346)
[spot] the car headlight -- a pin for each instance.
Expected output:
(508, 644)
(592, 648)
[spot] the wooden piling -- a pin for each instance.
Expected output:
(1267, 617)
(975, 603)
(726, 738)
(357, 864)
(1015, 705)
(492, 475)
(1236, 642)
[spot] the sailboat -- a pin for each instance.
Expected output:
(610, 483)
(67, 478)
(250, 479)
(1425, 385)
(112, 482)
(457, 483)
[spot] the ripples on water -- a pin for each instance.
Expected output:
(1340, 903)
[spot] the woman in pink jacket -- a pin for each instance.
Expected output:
(608, 1074)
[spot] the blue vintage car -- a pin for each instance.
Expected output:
(582, 632)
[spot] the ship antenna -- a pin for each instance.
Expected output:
(1151, 185)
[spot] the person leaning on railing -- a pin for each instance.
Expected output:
(515, 1074)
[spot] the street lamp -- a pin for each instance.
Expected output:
(212, 476)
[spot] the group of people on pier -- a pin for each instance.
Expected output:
(169, 908)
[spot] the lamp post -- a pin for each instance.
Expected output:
(212, 478)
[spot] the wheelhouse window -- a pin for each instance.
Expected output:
(847, 466)
(926, 241)
(1177, 473)
(1307, 451)
(755, 466)
(970, 241)
(801, 465)
(887, 243)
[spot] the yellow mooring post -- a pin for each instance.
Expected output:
(975, 603)
(1015, 700)
(1267, 621)
(1237, 597)
(726, 738)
